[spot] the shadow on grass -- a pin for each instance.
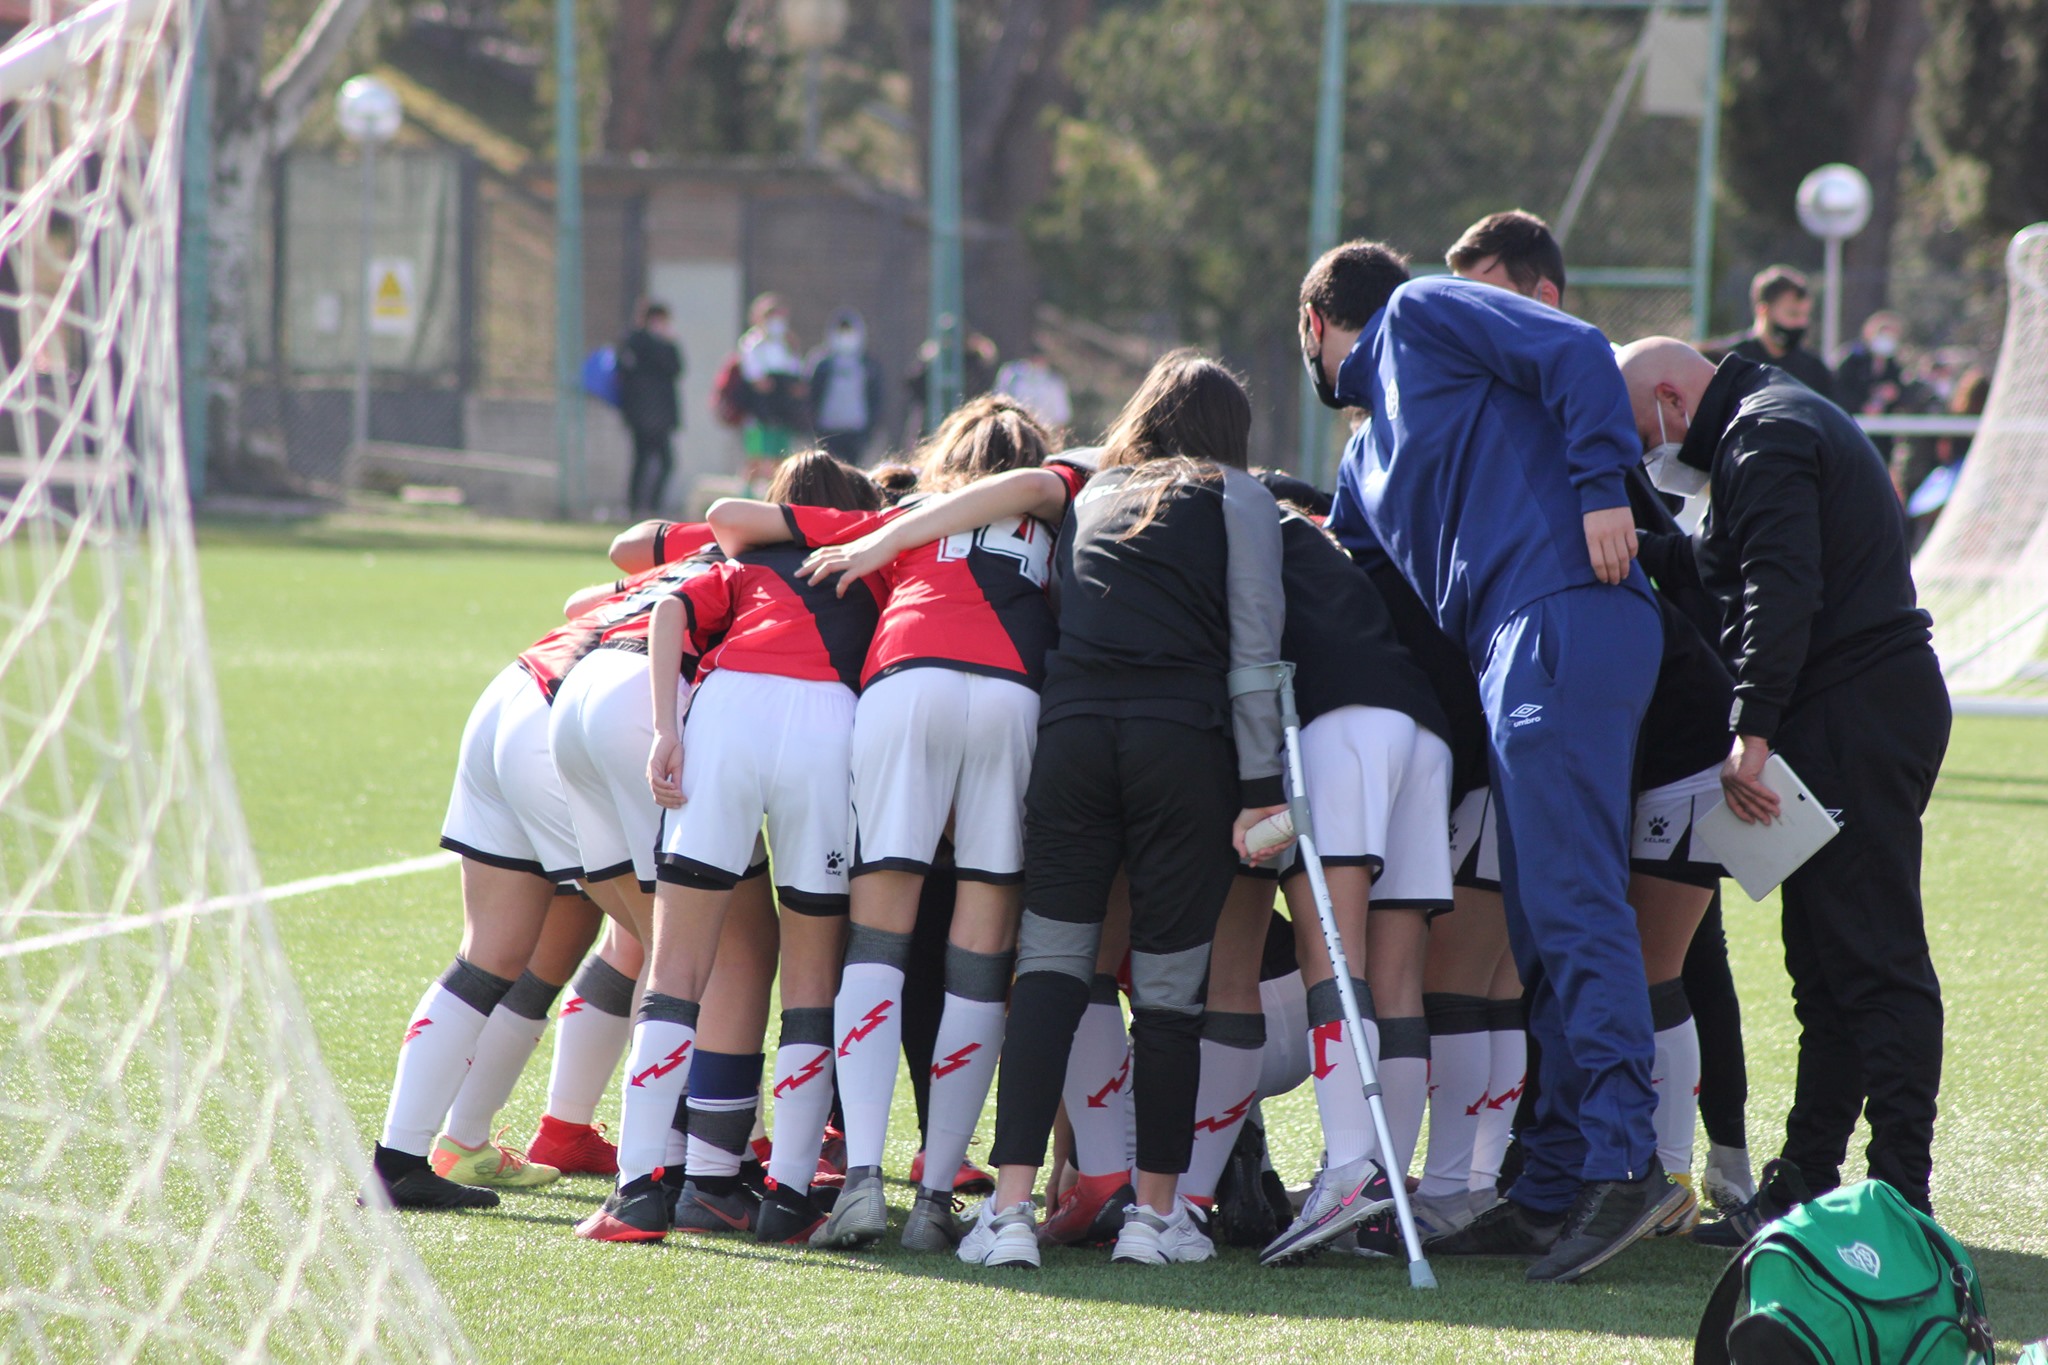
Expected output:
(398, 532)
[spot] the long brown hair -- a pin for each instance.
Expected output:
(815, 479)
(991, 434)
(1189, 415)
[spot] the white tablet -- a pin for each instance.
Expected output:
(1761, 856)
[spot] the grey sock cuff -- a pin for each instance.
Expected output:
(725, 1129)
(1448, 1013)
(603, 987)
(978, 976)
(1228, 1029)
(1406, 1036)
(1326, 1006)
(656, 1008)
(865, 943)
(811, 1025)
(1505, 1016)
(530, 997)
(474, 986)
(1668, 1006)
(1102, 990)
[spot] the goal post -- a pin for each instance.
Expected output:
(178, 1177)
(1983, 573)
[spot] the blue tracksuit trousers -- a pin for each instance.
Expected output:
(1565, 683)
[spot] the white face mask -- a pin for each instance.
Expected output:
(776, 328)
(1883, 344)
(1668, 473)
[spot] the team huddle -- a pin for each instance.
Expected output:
(947, 775)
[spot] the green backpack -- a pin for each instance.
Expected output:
(1855, 1277)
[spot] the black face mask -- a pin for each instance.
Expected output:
(1326, 392)
(1788, 337)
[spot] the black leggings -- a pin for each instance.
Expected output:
(1717, 1014)
(654, 457)
(1157, 799)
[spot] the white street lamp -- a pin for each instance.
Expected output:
(1834, 205)
(369, 113)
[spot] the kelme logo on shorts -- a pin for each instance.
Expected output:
(1528, 713)
(1860, 1256)
(833, 862)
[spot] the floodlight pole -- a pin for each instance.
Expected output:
(568, 269)
(1324, 198)
(366, 229)
(945, 376)
(1703, 188)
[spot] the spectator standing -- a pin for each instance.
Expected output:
(1783, 303)
(774, 373)
(1034, 383)
(845, 389)
(650, 368)
(1870, 382)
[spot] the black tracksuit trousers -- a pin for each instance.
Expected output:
(1863, 985)
(1157, 799)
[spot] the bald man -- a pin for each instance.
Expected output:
(1804, 547)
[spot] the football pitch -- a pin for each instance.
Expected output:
(348, 652)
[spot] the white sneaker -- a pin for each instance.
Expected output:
(1148, 1239)
(1727, 1181)
(1001, 1238)
(1436, 1215)
(1342, 1197)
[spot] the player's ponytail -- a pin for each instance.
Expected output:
(1190, 414)
(815, 479)
(992, 434)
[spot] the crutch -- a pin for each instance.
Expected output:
(1419, 1274)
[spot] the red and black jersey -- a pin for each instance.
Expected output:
(974, 601)
(772, 621)
(617, 622)
(675, 540)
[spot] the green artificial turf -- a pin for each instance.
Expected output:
(348, 653)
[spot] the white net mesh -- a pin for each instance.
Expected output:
(1983, 572)
(178, 1176)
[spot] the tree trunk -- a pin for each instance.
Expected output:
(1887, 52)
(255, 113)
(632, 61)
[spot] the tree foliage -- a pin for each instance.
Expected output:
(1986, 110)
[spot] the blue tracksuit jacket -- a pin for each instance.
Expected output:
(1497, 423)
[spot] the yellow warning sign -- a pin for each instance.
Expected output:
(393, 299)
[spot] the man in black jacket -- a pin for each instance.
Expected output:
(1804, 548)
(650, 367)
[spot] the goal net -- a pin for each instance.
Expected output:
(178, 1176)
(1983, 572)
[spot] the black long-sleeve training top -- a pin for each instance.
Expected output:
(1804, 545)
(1152, 623)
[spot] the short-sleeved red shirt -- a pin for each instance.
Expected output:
(617, 622)
(675, 540)
(772, 621)
(974, 601)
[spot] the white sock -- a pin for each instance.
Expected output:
(1507, 1047)
(657, 1074)
(1675, 1072)
(1401, 1052)
(963, 1064)
(1232, 1052)
(1460, 1065)
(502, 1050)
(590, 1037)
(1284, 1061)
(803, 1096)
(1333, 1067)
(867, 1019)
(1098, 1085)
(434, 1058)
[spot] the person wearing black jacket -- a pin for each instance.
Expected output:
(1804, 549)
(650, 367)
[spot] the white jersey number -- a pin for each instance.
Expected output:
(1023, 539)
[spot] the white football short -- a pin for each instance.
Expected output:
(929, 742)
(1379, 792)
(507, 808)
(1475, 842)
(601, 732)
(761, 746)
(1662, 842)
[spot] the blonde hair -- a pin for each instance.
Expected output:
(991, 434)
